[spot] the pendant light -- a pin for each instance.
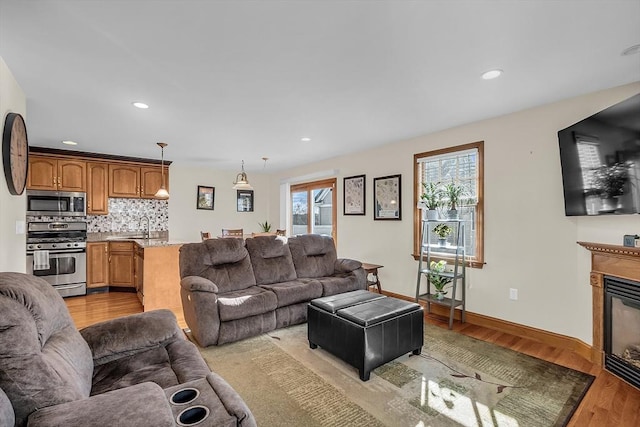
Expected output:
(242, 182)
(162, 193)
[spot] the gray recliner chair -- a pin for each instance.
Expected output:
(119, 372)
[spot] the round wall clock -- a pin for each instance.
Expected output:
(15, 153)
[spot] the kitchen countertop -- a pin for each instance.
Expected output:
(158, 239)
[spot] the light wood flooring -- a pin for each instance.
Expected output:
(609, 402)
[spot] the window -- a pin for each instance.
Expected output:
(313, 208)
(462, 165)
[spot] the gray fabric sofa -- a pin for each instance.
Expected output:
(111, 373)
(233, 289)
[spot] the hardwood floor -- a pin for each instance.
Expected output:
(609, 401)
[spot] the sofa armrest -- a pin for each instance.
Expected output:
(198, 284)
(124, 336)
(344, 265)
(143, 404)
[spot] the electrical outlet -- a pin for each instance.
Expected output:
(513, 294)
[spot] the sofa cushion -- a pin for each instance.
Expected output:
(271, 260)
(247, 302)
(337, 284)
(225, 251)
(313, 255)
(225, 262)
(295, 291)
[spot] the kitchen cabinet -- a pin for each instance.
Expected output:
(97, 188)
(138, 275)
(97, 264)
(135, 181)
(50, 173)
(121, 264)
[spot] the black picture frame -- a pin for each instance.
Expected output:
(245, 201)
(205, 197)
(354, 195)
(387, 198)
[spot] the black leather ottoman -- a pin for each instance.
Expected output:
(365, 329)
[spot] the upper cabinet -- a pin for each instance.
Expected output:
(99, 175)
(151, 180)
(97, 188)
(48, 173)
(134, 181)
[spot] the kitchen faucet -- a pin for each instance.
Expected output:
(147, 233)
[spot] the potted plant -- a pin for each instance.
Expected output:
(431, 199)
(443, 231)
(266, 227)
(436, 278)
(609, 184)
(453, 192)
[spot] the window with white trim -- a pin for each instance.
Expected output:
(463, 166)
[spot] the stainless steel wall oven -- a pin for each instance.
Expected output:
(56, 252)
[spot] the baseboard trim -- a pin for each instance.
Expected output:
(545, 337)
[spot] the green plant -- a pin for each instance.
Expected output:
(435, 275)
(266, 227)
(431, 196)
(442, 230)
(453, 192)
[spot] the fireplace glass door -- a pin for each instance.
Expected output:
(622, 328)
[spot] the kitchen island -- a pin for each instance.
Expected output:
(153, 266)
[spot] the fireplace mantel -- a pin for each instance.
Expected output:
(608, 260)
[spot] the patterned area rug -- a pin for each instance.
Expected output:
(456, 381)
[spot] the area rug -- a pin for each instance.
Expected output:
(456, 381)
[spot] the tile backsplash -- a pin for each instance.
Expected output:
(126, 215)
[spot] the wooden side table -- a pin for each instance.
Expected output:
(372, 269)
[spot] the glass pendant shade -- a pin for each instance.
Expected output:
(242, 182)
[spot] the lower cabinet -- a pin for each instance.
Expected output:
(138, 274)
(121, 264)
(97, 264)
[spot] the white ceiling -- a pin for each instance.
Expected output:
(233, 80)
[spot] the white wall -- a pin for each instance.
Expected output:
(186, 222)
(12, 208)
(529, 243)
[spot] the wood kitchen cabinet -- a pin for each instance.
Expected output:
(138, 275)
(121, 264)
(135, 181)
(49, 173)
(97, 264)
(97, 188)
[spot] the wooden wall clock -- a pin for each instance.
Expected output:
(15, 153)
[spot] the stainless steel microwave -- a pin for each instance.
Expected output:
(56, 203)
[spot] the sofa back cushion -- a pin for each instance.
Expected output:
(223, 261)
(271, 260)
(313, 255)
(44, 360)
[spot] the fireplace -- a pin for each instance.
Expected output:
(622, 328)
(615, 291)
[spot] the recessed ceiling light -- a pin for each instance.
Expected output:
(140, 105)
(631, 50)
(69, 142)
(491, 74)
(305, 139)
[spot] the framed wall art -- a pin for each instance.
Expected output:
(205, 197)
(245, 200)
(354, 190)
(387, 203)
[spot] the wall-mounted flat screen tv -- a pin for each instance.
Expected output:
(600, 158)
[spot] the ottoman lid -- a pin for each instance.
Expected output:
(334, 303)
(373, 312)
